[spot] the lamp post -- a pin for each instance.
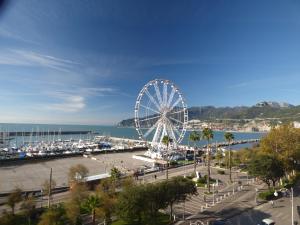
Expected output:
(256, 190)
(292, 195)
(41, 198)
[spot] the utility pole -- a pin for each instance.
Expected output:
(50, 187)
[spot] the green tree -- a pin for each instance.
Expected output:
(78, 194)
(108, 195)
(8, 218)
(283, 142)
(73, 212)
(208, 134)
(91, 204)
(14, 198)
(266, 167)
(166, 141)
(131, 204)
(177, 189)
(55, 215)
(195, 137)
(107, 207)
(115, 175)
(28, 208)
(229, 137)
(219, 156)
(77, 173)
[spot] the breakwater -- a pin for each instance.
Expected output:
(43, 133)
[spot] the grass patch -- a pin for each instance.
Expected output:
(162, 219)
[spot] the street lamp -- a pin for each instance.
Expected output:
(41, 198)
(256, 190)
(292, 195)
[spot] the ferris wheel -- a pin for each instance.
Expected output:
(160, 110)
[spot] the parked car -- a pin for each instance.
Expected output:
(267, 222)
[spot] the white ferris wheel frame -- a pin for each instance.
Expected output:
(163, 104)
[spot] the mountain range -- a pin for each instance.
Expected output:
(265, 110)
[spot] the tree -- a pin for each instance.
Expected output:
(28, 208)
(194, 137)
(229, 137)
(78, 194)
(219, 156)
(266, 167)
(131, 204)
(115, 175)
(91, 204)
(283, 142)
(72, 209)
(177, 189)
(14, 198)
(8, 218)
(77, 173)
(166, 141)
(208, 134)
(108, 195)
(107, 207)
(55, 215)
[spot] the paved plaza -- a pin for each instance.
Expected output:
(30, 176)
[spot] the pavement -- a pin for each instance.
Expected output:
(31, 176)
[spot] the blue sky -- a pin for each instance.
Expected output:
(84, 61)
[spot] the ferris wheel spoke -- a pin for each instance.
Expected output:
(171, 118)
(175, 103)
(153, 110)
(165, 92)
(152, 99)
(171, 97)
(177, 131)
(158, 93)
(151, 118)
(150, 130)
(172, 132)
(176, 112)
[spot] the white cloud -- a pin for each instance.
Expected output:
(30, 58)
(68, 103)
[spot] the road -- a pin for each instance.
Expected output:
(281, 212)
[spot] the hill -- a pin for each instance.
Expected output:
(271, 111)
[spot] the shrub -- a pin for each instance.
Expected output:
(222, 172)
(267, 195)
(173, 163)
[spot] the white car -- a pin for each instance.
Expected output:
(267, 222)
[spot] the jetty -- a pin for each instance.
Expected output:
(42, 133)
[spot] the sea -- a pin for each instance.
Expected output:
(113, 131)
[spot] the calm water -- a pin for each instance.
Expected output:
(103, 130)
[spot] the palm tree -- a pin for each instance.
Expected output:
(194, 137)
(166, 141)
(229, 137)
(208, 134)
(91, 204)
